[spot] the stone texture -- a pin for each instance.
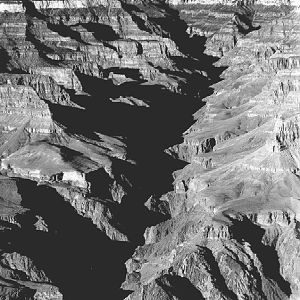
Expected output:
(237, 208)
(94, 97)
(66, 179)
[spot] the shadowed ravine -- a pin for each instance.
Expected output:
(147, 132)
(80, 260)
(116, 182)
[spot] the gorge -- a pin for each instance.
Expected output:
(150, 149)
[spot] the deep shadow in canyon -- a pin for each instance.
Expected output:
(170, 25)
(77, 256)
(179, 286)
(147, 132)
(74, 254)
(80, 259)
(245, 231)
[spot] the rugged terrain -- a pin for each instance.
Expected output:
(158, 135)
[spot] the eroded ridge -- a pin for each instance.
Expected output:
(92, 93)
(85, 89)
(234, 226)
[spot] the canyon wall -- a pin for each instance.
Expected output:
(234, 212)
(96, 178)
(234, 2)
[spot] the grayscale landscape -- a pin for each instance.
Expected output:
(150, 149)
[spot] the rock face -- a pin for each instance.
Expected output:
(94, 98)
(233, 2)
(233, 227)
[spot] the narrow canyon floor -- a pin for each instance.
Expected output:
(149, 150)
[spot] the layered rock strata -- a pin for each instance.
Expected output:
(91, 94)
(65, 174)
(78, 79)
(233, 231)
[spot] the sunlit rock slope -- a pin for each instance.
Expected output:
(233, 231)
(94, 98)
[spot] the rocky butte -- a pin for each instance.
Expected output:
(149, 149)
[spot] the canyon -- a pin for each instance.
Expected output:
(149, 149)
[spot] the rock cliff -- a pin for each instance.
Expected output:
(94, 98)
(233, 227)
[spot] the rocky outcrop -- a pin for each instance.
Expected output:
(76, 80)
(233, 2)
(236, 211)
(92, 93)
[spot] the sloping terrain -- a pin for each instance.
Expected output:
(233, 231)
(94, 98)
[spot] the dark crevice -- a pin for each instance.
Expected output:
(42, 49)
(180, 287)
(74, 254)
(100, 184)
(73, 242)
(32, 11)
(170, 25)
(60, 28)
(4, 60)
(243, 19)
(15, 292)
(66, 31)
(146, 133)
(139, 48)
(297, 230)
(216, 275)
(246, 231)
(108, 45)
(145, 130)
(134, 11)
(101, 32)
